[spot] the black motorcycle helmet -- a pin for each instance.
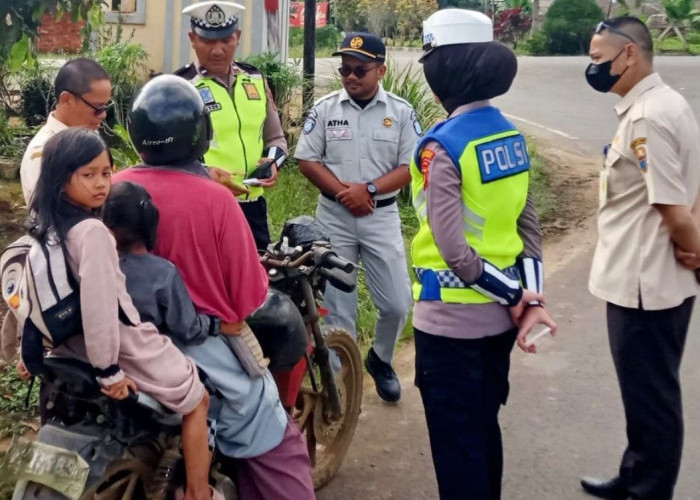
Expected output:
(168, 123)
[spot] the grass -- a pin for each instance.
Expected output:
(674, 44)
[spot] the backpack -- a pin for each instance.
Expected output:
(39, 288)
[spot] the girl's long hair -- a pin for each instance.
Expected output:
(63, 154)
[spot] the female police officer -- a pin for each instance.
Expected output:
(479, 238)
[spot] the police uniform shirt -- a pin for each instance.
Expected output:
(360, 145)
(654, 159)
(31, 161)
(273, 134)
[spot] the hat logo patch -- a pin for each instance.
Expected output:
(215, 16)
(356, 42)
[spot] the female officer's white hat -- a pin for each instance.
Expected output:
(455, 26)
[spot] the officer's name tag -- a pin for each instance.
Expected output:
(502, 158)
(338, 134)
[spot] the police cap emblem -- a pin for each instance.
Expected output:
(215, 16)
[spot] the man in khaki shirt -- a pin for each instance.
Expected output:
(83, 96)
(648, 186)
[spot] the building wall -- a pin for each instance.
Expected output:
(61, 35)
(162, 29)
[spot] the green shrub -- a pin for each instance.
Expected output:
(327, 37)
(536, 45)
(13, 140)
(36, 96)
(569, 25)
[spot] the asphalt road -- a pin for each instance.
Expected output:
(564, 417)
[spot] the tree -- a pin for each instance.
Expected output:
(347, 14)
(681, 15)
(462, 4)
(411, 14)
(21, 22)
(569, 25)
(380, 14)
(511, 25)
(524, 5)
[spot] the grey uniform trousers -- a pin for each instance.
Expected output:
(377, 240)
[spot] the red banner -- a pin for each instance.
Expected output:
(296, 14)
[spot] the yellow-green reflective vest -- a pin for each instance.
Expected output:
(238, 119)
(494, 165)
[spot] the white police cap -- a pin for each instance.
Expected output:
(214, 19)
(455, 26)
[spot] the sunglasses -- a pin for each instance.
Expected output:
(605, 26)
(97, 109)
(358, 71)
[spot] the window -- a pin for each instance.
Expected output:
(130, 11)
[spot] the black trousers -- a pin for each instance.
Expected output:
(647, 347)
(256, 214)
(463, 384)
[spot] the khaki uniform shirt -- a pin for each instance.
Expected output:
(360, 145)
(31, 161)
(654, 159)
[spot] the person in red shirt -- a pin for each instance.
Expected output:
(203, 231)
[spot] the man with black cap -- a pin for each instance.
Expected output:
(477, 253)
(247, 129)
(355, 147)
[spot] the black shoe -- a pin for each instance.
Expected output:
(611, 489)
(388, 386)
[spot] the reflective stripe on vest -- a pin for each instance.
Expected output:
(238, 125)
(494, 166)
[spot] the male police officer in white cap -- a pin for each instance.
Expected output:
(477, 253)
(356, 146)
(241, 106)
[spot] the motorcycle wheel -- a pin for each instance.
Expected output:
(124, 480)
(329, 441)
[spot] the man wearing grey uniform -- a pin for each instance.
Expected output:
(356, 147)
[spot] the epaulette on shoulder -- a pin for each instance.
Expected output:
(326, 97)
(188, 71)
(399, 99)
(248, 68)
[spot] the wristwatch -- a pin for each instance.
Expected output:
(372, 189)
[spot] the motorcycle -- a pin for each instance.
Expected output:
(93, 447)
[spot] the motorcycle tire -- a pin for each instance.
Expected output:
(329, 441)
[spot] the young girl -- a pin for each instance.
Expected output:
(73, 185)
(154, 284)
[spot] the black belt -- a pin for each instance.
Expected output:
(377, 203)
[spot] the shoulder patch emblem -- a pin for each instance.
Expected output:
(639, 146)
(416, 125)
(426, 159)
(310, 122)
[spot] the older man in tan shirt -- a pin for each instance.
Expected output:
(83, 96)
(648, 186)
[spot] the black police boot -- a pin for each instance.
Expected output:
(388, 386)
(611, 489)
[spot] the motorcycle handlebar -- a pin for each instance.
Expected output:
(330, 260)
(339, 279)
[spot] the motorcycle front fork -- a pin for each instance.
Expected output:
(331, 402)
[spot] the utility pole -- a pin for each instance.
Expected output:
(309, 54)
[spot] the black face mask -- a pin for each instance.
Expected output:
(598, 75)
